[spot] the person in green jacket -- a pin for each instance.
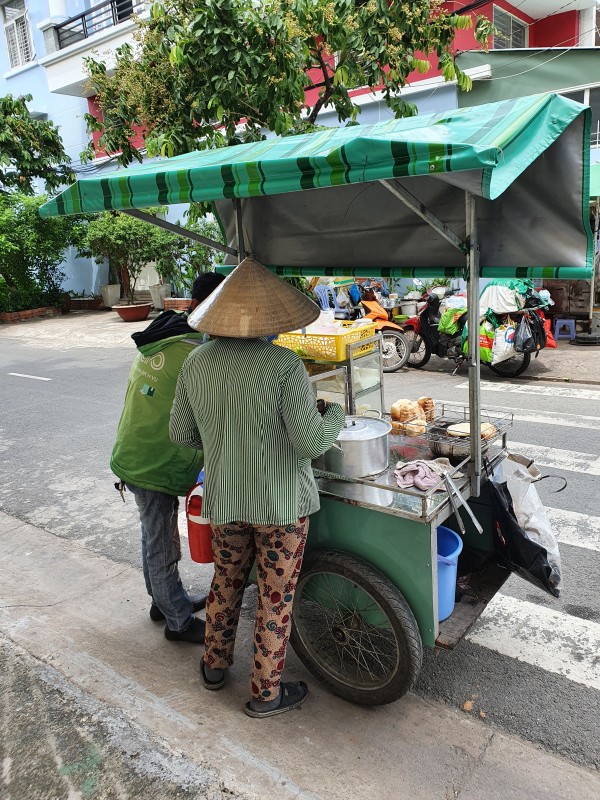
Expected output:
(154, 469)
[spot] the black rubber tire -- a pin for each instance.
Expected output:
(417, 360)
(503, 369)
(401, 630)
(401, 347)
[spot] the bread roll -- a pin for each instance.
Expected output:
(398, 427)
(404, 410)
(415, 428)
(428, 406)
(488, 431)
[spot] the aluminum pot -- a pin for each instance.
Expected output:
(361, 448)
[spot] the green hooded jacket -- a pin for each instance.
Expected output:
(143, 454)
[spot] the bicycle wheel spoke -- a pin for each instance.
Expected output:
(346, 630)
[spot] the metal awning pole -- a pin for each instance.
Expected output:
(241, 254)
(178, 230)
(475, 466)
(424, 213)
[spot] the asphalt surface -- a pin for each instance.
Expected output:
(55, 440)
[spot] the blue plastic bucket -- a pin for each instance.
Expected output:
(449, 546)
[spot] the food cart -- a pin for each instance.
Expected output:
(463, 193)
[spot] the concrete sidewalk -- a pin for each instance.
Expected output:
(105, 329)
(86, 618)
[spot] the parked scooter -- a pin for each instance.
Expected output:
(395, 350)
(427, 340)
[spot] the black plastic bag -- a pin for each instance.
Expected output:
(537, 331)
(514, 549)
(524, 341)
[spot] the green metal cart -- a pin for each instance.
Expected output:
(462, 193)
(367, 597)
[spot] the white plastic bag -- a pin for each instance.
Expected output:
(504, 343)
(500, 299)
(529, 510)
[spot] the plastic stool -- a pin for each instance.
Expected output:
(564, 323)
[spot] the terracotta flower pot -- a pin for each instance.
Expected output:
(134, 313)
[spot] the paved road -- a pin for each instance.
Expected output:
(531, 662)
(530, 666)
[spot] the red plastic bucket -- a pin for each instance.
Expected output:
(199, 529)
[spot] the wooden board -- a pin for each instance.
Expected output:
(483, 587)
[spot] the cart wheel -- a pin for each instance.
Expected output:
(395, 351)
(512, 367)
(354, 630)
(420, 352)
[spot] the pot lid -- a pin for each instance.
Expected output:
(363, 428)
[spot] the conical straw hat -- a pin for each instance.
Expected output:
(252, 302)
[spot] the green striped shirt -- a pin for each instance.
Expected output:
(249, 405)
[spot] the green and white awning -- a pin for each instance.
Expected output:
(318, 201)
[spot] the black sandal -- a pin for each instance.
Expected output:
(212, 685)
(292, 696)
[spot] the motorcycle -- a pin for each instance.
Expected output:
(427, 340)
(395, 348)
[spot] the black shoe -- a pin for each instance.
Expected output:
(198, 602)
(194, 633)
(292, 696)
(212, 685)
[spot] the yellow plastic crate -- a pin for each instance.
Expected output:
(328, 346)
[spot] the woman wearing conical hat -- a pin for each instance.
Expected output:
(249, 405)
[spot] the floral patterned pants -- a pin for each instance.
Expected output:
(278, 552)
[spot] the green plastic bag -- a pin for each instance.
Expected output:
(486, 341)
(449, 320)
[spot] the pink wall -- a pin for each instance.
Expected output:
(558, 30)
(93, 108)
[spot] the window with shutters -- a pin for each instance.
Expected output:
(16, 31)
(512, 32)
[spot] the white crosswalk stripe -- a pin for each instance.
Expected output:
(545, 637)
(542, 637)
(587, 422)
(551, 418)
(528, 388)
(571, 527)
(588, 463)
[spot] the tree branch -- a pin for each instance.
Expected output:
(329, 88)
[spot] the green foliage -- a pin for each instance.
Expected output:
(29, 149)
(302, 285)
(31, 252)
(427, 285)
(181, 260)
(484, 28)
(129, 244)
(206, 73)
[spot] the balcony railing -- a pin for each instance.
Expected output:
(104, 15)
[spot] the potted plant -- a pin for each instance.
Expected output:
(181, 260)
(128, 244)
(159, 292)
(111, 294)
(82, 301)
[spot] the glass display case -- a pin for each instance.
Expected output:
(356, 384)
